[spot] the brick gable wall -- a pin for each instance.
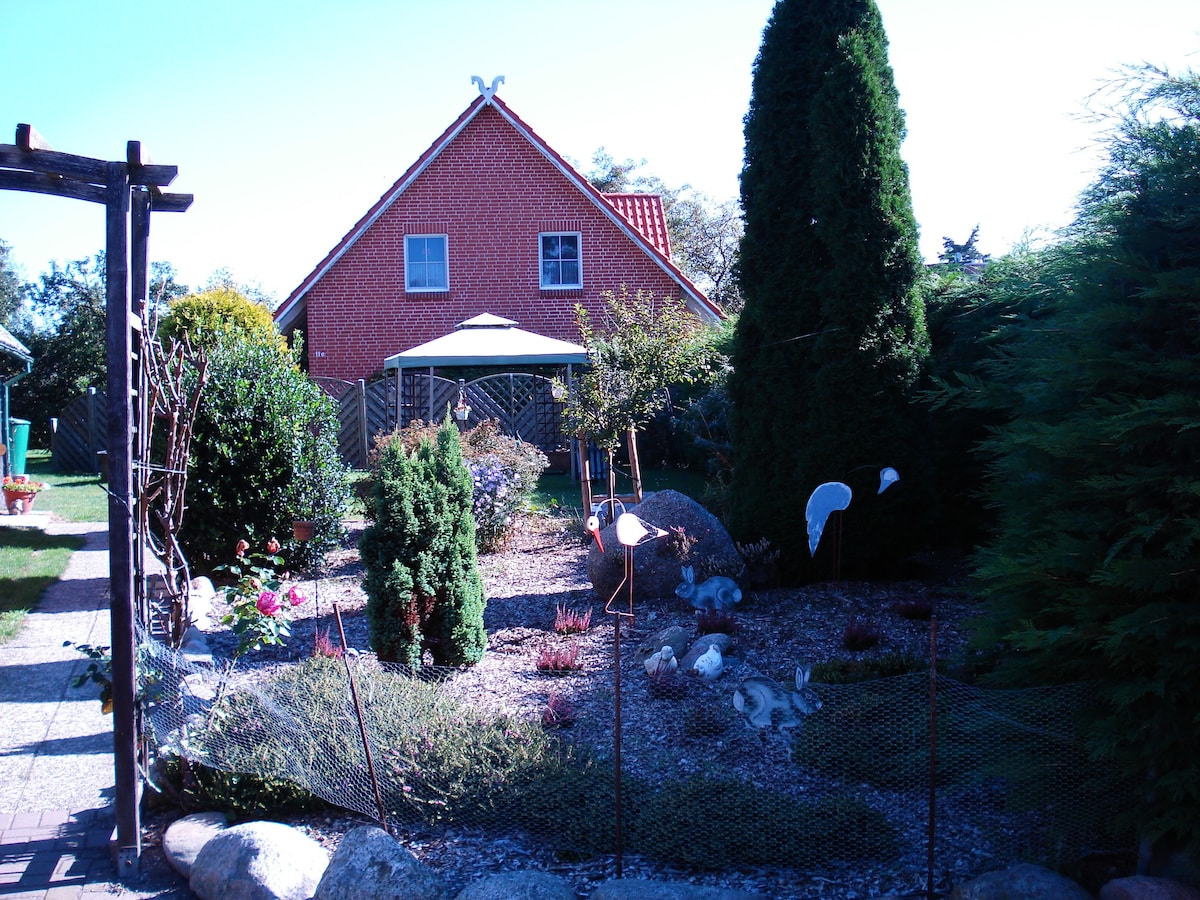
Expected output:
(491, 192)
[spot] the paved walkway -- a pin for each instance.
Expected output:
(56, 763)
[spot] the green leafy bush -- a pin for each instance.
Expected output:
(264, 454)
(424, 590)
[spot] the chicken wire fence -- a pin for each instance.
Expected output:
(849, 784)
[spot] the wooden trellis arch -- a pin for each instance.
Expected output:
(129, 190)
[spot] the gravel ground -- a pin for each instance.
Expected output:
(544, 570)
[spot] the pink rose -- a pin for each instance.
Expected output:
(268, 603)
(294, 596)
(242, 547)
(272, 546)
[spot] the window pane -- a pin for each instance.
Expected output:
(570, 272)
(569, 247)
(435, 249)
(550, 247)
(435, 275)
(548, 270)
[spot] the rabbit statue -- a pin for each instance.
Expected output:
(717, 592)
(765, 702)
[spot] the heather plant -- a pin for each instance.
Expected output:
(559, 660)
(570, 621)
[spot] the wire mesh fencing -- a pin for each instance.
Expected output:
(701, 783)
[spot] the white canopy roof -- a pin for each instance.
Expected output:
(488, 340)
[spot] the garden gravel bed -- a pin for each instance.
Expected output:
(544, 570)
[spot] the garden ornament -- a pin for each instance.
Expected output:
(710, 665)
(828, 498)
(717, 592)
(661, 663)
(765, 702)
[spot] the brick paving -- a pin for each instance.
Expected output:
(56, 763)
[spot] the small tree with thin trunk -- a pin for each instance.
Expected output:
(644, 347)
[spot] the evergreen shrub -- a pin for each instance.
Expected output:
(504, 470)
(263, 454)
(424, 589)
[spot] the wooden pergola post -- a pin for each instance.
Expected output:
(32, 165)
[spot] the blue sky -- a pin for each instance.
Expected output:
(288, 119)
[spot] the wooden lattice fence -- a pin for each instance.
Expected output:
(523, 404)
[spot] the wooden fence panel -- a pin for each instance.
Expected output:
(81, 433)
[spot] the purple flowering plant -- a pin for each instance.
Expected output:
(497, 497)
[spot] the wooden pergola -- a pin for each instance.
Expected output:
(130, 190)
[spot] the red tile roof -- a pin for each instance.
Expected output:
(645, 213)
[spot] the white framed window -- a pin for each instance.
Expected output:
(425, 263)
(561, 260)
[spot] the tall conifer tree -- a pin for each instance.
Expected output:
(830, 341)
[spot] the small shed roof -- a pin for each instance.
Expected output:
(10, 346)
(488, 340)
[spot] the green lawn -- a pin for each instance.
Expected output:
(76, 498)
(30, 562)
(560, 493)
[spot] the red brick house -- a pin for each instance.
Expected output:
(489, 220)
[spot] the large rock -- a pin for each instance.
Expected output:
(258, 861)
(1142, 887)
(657, 567)
(519, 886)
(185, 838)
(370, 864)
(1020, 882)
(643, 889)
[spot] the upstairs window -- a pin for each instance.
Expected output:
(425, 266)
(560, 261)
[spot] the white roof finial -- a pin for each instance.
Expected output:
(487, 91)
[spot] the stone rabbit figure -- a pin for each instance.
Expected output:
(717, 592)
(766, 703)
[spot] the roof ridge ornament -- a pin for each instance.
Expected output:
(487, 91)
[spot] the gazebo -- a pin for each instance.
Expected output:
(10, 349)
(523, 402)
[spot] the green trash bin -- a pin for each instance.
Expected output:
(19, 428)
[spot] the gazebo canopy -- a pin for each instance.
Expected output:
(488, 340)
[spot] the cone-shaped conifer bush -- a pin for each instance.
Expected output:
(424, 590)
(830, 341)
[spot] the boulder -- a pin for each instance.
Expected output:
(657, 564)
(644, 889)
(519, 886)
(258, 861)
(721, 641)
(1020, 882)
(1143, 887)
(370, 864)
(672, 636)
(185, 838)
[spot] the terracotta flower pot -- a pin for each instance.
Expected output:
(19, 502)
(302, 529)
